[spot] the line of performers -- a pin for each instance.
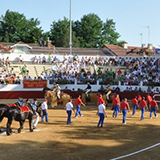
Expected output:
(137, 102)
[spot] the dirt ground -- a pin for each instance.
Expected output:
(82, 140)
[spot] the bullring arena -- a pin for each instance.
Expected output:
(81, 139)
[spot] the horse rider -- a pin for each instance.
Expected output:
(88, 89)
(58, 91)
(108, 91)
(20, 101)
(56, 88)
(35, 118)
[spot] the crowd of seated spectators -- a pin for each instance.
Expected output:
(9, 78)
(136, 71)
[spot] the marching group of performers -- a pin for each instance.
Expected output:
(137, 102)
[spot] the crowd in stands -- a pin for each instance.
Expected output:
(145, 70)
(137, 70)
(9, 77)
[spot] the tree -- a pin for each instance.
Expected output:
(109, 34)
(75, 42)
(60, 33)
(14, 27)
(88, 30)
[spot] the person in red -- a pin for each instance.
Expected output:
(139, 97)
(113, 101)
(154, 108)
(143, 105)
(100, 99)
(119, 72)
(124, 106)
(78, 103)
(134, 104)
(149, 99)
(116, 102)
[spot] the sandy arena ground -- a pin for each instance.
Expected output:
(82, 140)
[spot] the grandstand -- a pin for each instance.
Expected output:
(109, 58)
(34, 70)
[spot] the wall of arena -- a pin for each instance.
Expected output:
(13, 91)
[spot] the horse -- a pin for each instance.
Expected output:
(19, 114)
(92, 96)
(3, 109)
(53, 100)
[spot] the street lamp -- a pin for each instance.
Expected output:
(141, 38)
(148, 27)
(70, 37)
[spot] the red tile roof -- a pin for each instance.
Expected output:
(117, 50)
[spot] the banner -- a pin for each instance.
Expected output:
(34, 83)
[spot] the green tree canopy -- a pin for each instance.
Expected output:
(88, 30)
(59, 34)
(109, 34)
(14, 27)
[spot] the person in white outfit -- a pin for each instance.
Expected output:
(102, 114)
(69, 108)
(44, 110)
(35, 118)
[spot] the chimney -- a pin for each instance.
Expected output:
(125, 46)
(144, 46)
(49, 43)
(150, 46)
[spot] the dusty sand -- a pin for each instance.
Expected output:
(82, 140)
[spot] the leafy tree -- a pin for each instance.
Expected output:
(88, 30)
(60, 34)
(58, 31)
(109, 34)
(14, 27)
(66, 41)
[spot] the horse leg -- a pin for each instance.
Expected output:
(9, 130)
(30, 124)
(21, 126)
(1, 118)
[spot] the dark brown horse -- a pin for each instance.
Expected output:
(3, 110)
(19, 114)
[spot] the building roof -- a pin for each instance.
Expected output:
(115, 49)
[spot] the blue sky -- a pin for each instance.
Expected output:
(131, 16)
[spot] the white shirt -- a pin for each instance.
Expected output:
(101, 108)
(44, 106)
(69, 106)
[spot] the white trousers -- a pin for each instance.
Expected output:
(35, 120)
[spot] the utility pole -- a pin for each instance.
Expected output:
(70, 37)
(148, 27)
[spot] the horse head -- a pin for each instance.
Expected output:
(80, 91)
(45, 89)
